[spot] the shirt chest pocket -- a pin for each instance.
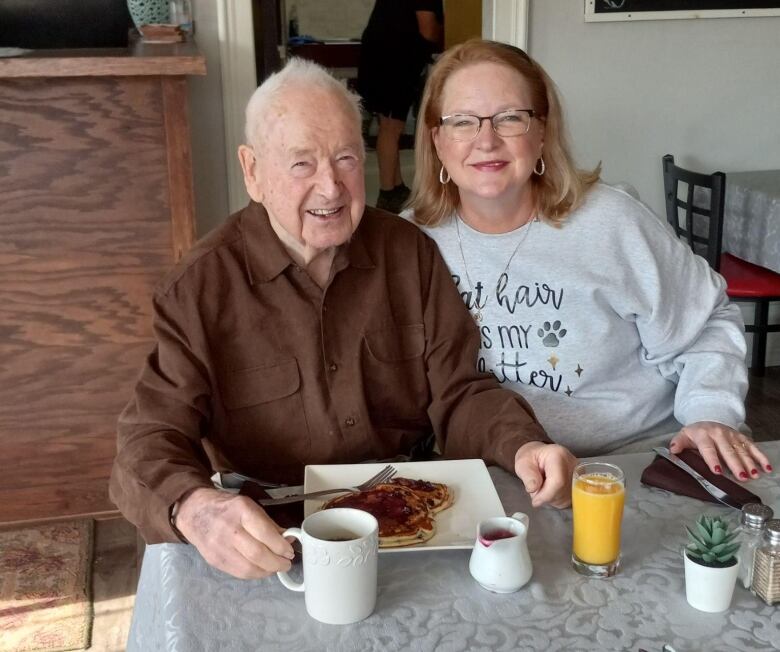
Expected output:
(247, 387)
(395, 381)
(265, 414)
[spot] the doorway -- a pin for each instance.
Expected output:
(263, 28)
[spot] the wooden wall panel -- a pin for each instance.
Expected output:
(85, 233)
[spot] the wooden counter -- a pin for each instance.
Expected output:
(96, 204)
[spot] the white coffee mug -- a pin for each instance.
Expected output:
(340, 548)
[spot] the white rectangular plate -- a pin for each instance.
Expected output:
(456, 527)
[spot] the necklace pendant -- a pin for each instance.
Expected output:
(477, 315)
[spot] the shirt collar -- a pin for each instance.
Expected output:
(265, 256)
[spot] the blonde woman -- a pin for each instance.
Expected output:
(619, 337)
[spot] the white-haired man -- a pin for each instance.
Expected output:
(307, 329)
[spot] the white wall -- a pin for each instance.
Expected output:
(705, 90)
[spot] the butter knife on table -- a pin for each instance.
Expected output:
(717, 493)
(232, 481)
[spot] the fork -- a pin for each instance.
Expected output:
(383, 476)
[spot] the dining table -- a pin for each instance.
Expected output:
(427, 600)
(751, 217)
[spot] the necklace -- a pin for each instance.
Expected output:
(476, 312)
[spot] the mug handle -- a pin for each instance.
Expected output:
(283, 576)
(523, 518)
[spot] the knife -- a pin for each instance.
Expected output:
(717, 493)
(233, 481)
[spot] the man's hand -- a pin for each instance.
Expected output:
(715, 442)
(233, 534)
(546, 471)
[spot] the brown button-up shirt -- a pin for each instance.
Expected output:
(278, 373)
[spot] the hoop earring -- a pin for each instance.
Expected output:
(442, 179)
(539, 172)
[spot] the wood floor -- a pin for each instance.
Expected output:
(117, 564)
(115, 571)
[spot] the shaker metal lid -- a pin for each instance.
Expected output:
(772, 531)
(755, 514)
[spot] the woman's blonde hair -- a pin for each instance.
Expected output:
(557, 192)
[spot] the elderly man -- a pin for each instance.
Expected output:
(308, 329)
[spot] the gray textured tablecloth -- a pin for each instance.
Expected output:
(428, 600)
(751, 224)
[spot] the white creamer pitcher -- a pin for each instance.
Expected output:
(500, 561)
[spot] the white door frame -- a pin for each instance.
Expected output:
(502, 20)
(239, 80)
(506, 21)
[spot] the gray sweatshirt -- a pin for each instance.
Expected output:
(610, 327)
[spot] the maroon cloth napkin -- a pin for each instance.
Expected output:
(663, 474)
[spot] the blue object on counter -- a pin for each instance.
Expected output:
(302, 40)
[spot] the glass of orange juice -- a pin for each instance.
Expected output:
(598, 492)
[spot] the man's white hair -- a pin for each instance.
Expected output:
(297, 72)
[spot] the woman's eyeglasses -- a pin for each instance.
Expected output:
(464, 126)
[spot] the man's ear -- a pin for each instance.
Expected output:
(250, 168)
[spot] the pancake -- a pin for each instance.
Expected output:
(437, 495)
(403, 516)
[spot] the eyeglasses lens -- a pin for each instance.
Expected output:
(506, 124)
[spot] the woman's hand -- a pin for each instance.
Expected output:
(546, 471)
(233, 534)
(717, 442)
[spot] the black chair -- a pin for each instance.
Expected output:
(702, 228)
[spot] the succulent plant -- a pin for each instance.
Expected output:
(712, 542)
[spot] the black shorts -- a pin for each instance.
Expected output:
(389, 87)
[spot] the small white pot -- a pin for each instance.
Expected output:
(709, 589)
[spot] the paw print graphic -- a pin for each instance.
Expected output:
(551, 334)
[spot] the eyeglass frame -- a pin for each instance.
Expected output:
(531, 115)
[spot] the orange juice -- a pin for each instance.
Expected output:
(597, 505)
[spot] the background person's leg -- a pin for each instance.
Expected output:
(398, 180)
(388, 136)
(393, 193)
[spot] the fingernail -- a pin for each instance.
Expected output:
(753, 471)
(768, 467)
(743, 475)
(718, 469)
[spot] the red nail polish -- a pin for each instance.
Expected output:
(753, 471)
(768, 467)
(743, 475)
(718, 469)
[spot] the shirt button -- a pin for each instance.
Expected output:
(333, 366)
(350, 421)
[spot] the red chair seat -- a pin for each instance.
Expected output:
(748, 281)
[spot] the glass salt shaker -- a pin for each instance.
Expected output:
(751, 527)
(766, 564)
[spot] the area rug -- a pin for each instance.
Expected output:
(45, 601)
